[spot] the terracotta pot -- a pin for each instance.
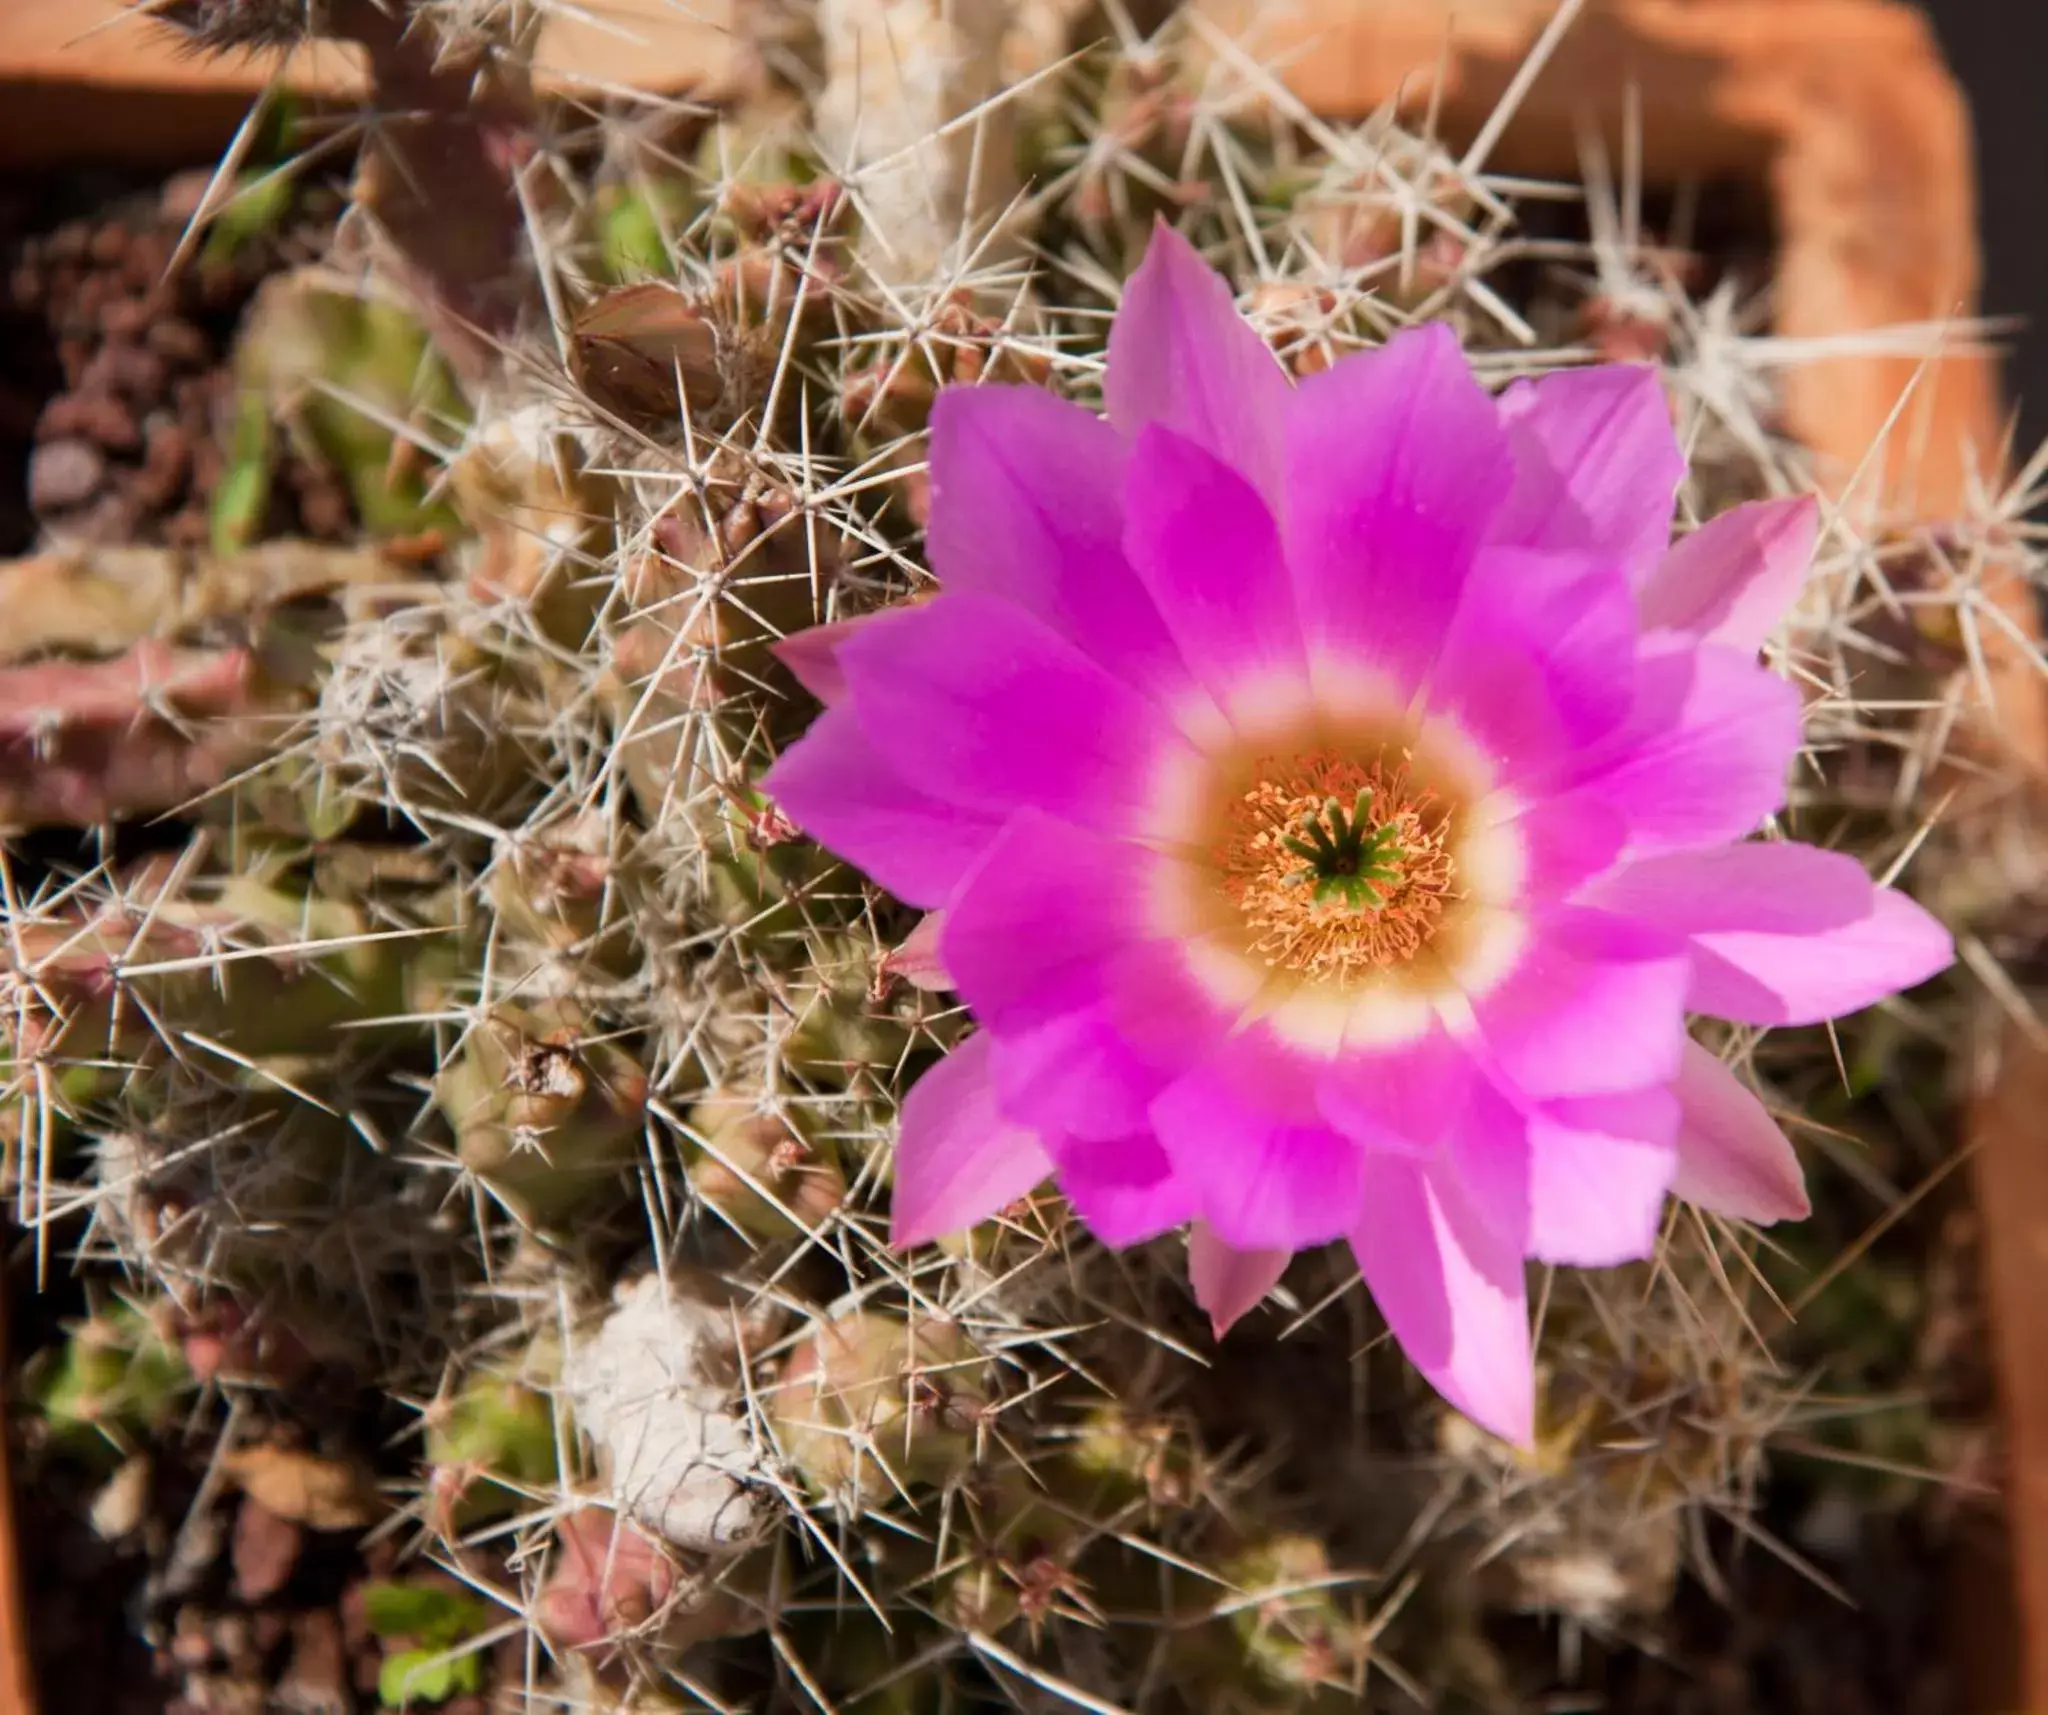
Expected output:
(1842, 108)
(61, 60)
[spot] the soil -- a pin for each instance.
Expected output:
(116, 389)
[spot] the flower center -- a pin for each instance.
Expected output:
(1338, 867)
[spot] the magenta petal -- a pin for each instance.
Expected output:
(1409, 1100)
(1452, 1292)
(1227, 1282)
(838, 788)
(1028, 937)
(1732, 580)
(1596, 1006)
(958, 1160)
(1706, 752)
(1124, 1189)
(1732, 1158)
(1396, 462)
(1208, 552)
(1263, 1183)
(1599, 1169)
(1755, 977)
(1027, 505)
(1773, 887)
(1073, 1076)
(1596, 464)
(1528, 670)
(983, 705)
(1180, 355)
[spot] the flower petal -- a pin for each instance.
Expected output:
(840, 790)
(813, 656)
(985, 706)
(916, 957)
(1704, 757)
(1528, 669)
(1124, 1189)
(1732, 1158)
(1732, 580)
(1181, 355)
(1756, 977)
(957, 1159)
(1028, 936)
(1595, 1007)
(1599, 1169)
(1228, 1282)
(1208, 552)
(1261, 1180)
(1452, 1292)
(1578, 1181)
(1027, 506)
(1073, 1076)
(1396, 463)
(1410, 1100)
(1596, 464)
(1777, 887)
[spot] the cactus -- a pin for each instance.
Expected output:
(482, 1036)
(113, 1381)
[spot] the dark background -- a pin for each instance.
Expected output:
(1999, 49)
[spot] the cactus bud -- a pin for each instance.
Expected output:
(868, 1390)
(760, 1170)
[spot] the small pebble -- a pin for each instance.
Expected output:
(63, 474)
(125, 319)
(109, 422)
(107, 245)
(178, 342)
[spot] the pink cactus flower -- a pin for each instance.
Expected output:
(1336, 797)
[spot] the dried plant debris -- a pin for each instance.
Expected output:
(452, 1107)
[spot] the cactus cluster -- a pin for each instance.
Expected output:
(481, 1035)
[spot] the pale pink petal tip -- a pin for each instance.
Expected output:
(958, 1161)
(1227, 1282)
(1731, 581)
(1732, 1158)
(916, 960)
(813, 656)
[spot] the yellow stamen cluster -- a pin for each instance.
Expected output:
(1276, 870)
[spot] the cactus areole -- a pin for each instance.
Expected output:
(1337, 796)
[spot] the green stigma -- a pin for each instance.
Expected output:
(1348, 860)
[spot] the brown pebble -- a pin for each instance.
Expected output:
(192, 1638)
(180, 344)
(264, 1552)
(25, 286)
(109, 422)
(129, 370)
(63, 416)
(94, 293)
(73, 354)
(64, 474)
(125, 319)
(148, 258)
(316, 1675)
(69, 243)
(107, 245)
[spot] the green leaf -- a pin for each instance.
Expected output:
(428, 1612)
(415, 1677)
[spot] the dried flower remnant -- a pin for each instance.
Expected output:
(1337, 796)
